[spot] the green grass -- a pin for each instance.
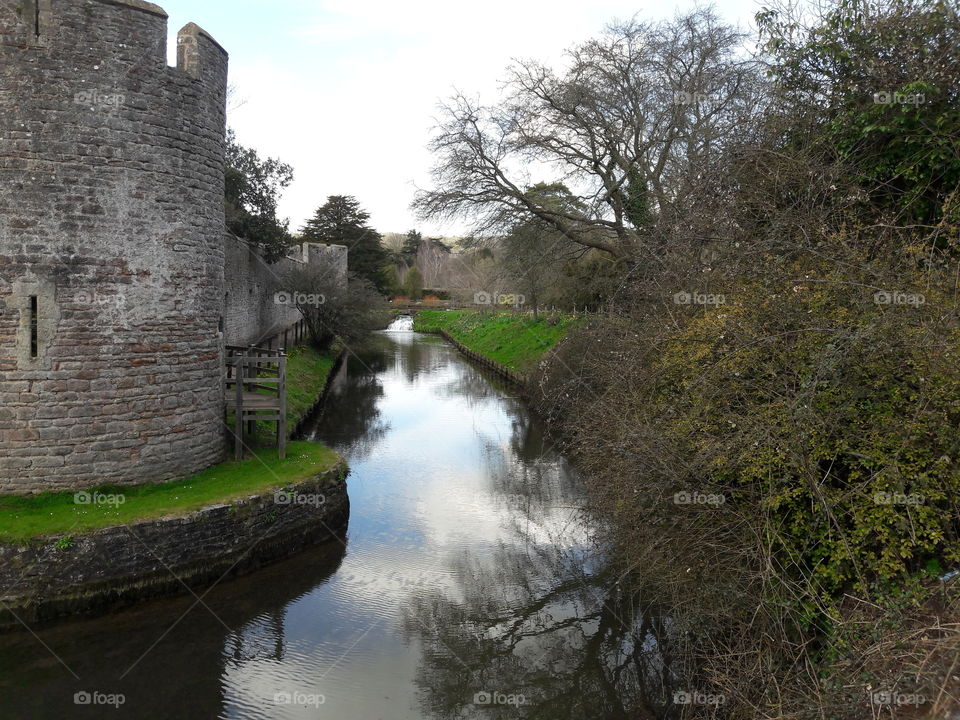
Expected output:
(26, 517)
(307, 371)
(516, 341)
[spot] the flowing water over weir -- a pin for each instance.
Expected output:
(470, 584)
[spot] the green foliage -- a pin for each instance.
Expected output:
(815, 407)
(411, 244)
(347, 308)
(341, 221)
(252, 190)
(413, 284)
(26, 517)
(392, 279)
(637, 200)
(882, 86)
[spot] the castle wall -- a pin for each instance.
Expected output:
(111, 249)
(250, 312)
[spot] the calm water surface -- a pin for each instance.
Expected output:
(470, 584)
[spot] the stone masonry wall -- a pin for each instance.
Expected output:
(105, 569)
(250, 314)
(111, 245)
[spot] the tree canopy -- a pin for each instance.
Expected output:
(342, 221)
(251, 191)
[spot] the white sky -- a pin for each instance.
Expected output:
(346, 91)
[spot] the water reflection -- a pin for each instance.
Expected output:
(472, 566)
(167, 657)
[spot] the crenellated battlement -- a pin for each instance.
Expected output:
(147, 7)
(111, 251)
(131, 31)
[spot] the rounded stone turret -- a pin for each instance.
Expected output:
(111, 245)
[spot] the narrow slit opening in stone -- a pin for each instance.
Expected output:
(34, 335)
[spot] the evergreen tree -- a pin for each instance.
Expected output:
(341, 221)
(411, 245)
(413, 284)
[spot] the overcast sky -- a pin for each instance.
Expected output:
(346, 91)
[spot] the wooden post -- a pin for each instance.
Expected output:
(238, 413)
(282, 420)
(252, 372)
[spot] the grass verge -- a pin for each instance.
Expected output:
(516, 341)
(307, 371)
(26, 517)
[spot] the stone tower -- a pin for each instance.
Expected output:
(111, 245)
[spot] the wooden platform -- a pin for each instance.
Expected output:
(256, 389)
(254, 401)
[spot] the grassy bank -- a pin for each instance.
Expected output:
(516, 341)
(307, 372)
(23, 518)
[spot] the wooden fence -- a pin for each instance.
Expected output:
(256, 389)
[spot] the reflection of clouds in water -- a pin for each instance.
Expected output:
(469, 534)
(324, 670)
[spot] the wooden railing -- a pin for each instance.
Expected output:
(256, 389)
(292, 336)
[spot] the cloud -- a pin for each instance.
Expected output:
(347, 90)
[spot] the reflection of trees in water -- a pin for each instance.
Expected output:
(472, 384)
(541, 616)
(350, 419)
(416, 356)
(531, 623)
(260, 639)
(533, 473)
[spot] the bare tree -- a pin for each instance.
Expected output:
(641, 117)
(331, 308)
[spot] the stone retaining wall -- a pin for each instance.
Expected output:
(106, 569)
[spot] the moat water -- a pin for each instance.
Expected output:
(471, 583)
